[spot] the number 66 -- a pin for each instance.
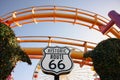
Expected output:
(60, 65)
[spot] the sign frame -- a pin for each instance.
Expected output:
(63, 52)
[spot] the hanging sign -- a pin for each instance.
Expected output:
(56, 60)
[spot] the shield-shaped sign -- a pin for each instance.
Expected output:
(56, 60)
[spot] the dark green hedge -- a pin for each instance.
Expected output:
(10, 51)
(106, 59)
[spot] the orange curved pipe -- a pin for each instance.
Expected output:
(57, 15)
(67, 14)
(62, 15)
(58, 41)
(38, 52)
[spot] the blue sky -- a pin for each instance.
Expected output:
(102, 7)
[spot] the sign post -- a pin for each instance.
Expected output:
(56, 61)
(56, 77)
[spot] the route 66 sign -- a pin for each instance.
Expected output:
(56, 60)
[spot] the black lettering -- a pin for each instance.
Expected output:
(56, 56)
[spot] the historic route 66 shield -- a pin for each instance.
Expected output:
(56, 60)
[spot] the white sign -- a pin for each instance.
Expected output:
(56, 60)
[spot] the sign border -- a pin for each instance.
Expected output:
(54, 72)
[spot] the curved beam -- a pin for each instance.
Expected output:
(57, 14)
(39, 52)
(58, 40)
(36, 53)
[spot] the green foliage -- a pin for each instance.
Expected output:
(106, 59)
(10, 51)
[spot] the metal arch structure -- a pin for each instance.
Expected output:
(76, 54)
(57, 14)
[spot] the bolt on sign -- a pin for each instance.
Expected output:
(56, 60)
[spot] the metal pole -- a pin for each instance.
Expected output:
(56, 77)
